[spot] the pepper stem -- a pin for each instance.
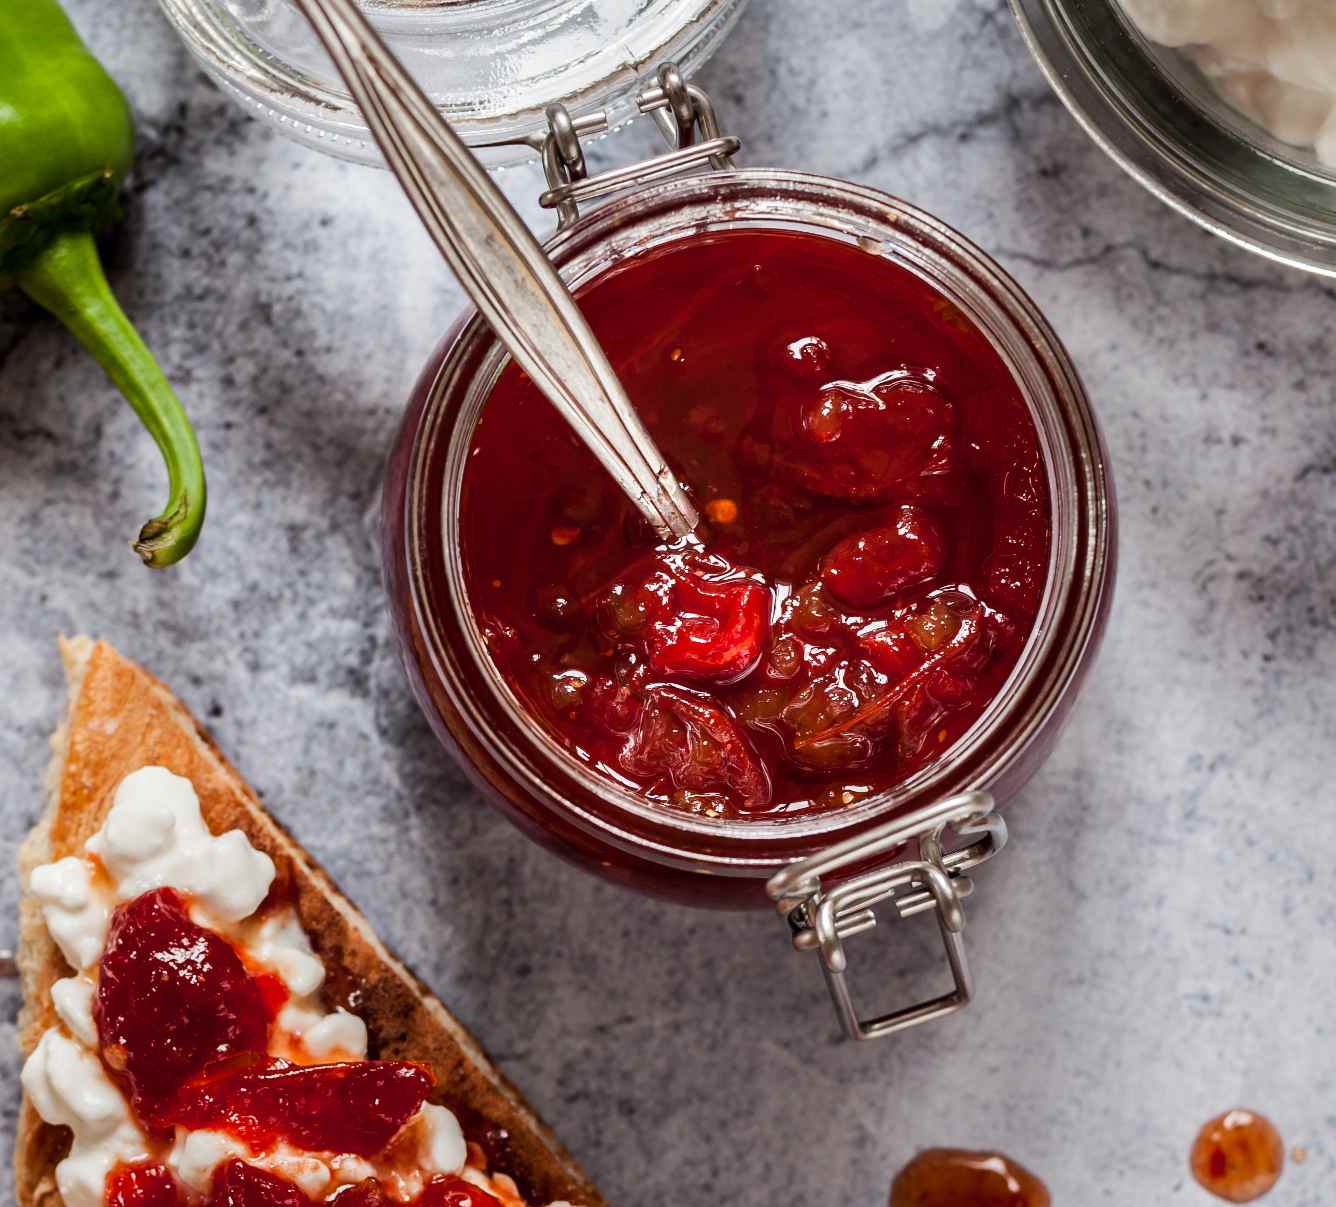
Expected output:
(67, 279)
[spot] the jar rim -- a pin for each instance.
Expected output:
(1080, 562)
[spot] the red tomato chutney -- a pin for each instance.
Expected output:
(875, 529)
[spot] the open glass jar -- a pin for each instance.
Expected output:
(490, 66)
(1158, 117)
(911, 844)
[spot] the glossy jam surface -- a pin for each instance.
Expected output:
(344, 1108)
(184, 1028)
(142, 1186)
(236, 1184)
(1238, 1156)
(172, 999)
(953, 1177)
(877, 531)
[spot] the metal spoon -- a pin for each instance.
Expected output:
(500, 264)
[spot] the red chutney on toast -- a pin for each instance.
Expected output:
(193, 1060)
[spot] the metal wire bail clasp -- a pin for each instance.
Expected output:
(823, 915)
(683, 112)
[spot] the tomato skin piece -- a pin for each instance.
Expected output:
(356, 1107)
(454, 1192)
(237, 1184)
(173, 998)
(868, 568)
(687, 736)
(142, 1186)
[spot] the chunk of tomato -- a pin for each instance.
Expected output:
(172, 999)
(142, 1186)
(697, 616)
(237, 1184)
(866, 569)
(860, 440)
(358, 1107)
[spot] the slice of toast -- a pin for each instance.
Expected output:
(121, 718)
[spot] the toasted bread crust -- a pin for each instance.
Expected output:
(120, 719)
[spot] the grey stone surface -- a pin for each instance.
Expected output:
(1159, 943)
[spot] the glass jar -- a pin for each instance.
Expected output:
(1155, 114)
(839, 861)
(491, 66)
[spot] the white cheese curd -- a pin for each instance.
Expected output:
(442, 1148)
(304, 1030)
(348, 1169)
(154, 837)
(73, 1000)
(69, 1087)
(437, 1142)
(339, 1036)
(76, 911)
(280, 944)
(499, 1186)
(310, 1173)
(195, 1155)
(1275, 60)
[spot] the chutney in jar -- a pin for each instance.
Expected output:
(874, 544)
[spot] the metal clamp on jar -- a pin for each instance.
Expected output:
(912, 845)
(823, 915)
(683, 112)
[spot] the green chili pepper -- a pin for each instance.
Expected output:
(66, 143)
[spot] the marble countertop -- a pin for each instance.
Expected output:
(1160, 941)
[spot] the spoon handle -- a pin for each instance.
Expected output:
(500, 264)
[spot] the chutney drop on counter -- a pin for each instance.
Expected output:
(876, 531)
(955, 1177)
(1238, 1156)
